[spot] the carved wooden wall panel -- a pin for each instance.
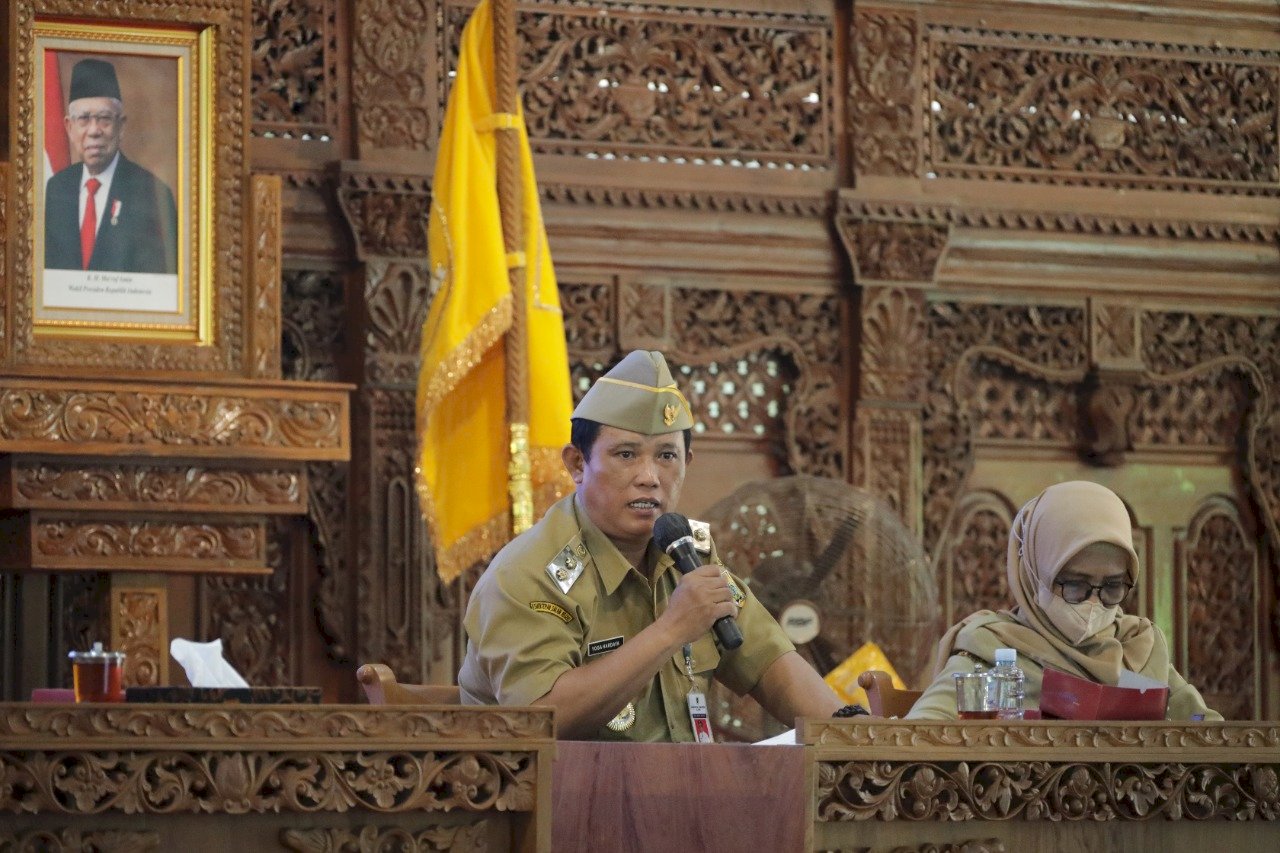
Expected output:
(1218, 568)
(295, 69)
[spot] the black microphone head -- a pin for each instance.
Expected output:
(669, 527)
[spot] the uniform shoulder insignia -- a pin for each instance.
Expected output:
(701, 536)
(567, 566)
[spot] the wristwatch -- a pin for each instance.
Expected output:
(852, 711)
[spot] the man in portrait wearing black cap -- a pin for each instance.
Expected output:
(106, 212)
(586, 613)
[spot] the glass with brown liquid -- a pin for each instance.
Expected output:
(98, 675)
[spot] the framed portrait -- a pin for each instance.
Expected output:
(121, 113)
(125, 195)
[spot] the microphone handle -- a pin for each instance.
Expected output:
(728, 632)
(726, 628)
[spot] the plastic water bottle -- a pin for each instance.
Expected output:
(1007, 682)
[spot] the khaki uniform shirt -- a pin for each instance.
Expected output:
(561, 595)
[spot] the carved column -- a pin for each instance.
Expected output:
(893, 263)
(396, 589)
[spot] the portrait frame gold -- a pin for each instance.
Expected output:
(201, 54)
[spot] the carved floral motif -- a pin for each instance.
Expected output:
(390, 81)
(26, 727)
(52, 483)
(654, 82)
(467, 838)
(139, 629)
(1044, 790)
(59, 540)
(976, 385)
(244, 782)
(387, 215)
(1221, 610)
(974, 564)
(883, 91)
(253, 615)
(157, 420)
(396, 301)
(264, 321)
(893, 336)
(1055, 109)
(295, 73)
(894, 251)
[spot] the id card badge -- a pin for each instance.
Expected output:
(698, 717)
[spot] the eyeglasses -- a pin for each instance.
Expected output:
(107, 120)
(1110, 593)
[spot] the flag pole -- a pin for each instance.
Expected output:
(510, 206)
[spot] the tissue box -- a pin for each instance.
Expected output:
(1070, 698)
(225, 695)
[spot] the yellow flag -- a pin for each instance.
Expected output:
(461, 410)
(844, 678)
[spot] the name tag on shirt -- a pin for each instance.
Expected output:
(599, 647)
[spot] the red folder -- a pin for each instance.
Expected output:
(1068, 697)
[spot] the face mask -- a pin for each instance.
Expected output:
(1077, 622)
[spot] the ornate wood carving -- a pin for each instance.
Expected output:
(467, 838)
(80, 615)
(327, 514)
(253, 616)
(893, 251)
(1098, 111)
(1176, 343)
(295, 69)
(652, 198)
(227, 20)
(977, 387)
(883, 92)
(1085, 740)
(312, 327)
(96, 417)
(55, 483)
(1065, 221)
(76, 543)
(986, 790)
(393, 556)
(23, 727)
(1219, 563)
(396, 301)
(973, 567)
(886, 457)
(140, 628)
(263, 358)
(893, 336)
(387, 214)
(392, 87)
(81, 841)
(741, 88)
(249, 781)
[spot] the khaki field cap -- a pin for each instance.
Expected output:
(637, 395)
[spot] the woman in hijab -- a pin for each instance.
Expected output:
(1070, 564)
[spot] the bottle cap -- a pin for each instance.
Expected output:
(1006, 656)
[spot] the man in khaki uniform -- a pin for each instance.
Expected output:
(583, 612)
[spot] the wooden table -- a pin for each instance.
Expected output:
(195, 778)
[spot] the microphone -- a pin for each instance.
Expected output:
(672, 533)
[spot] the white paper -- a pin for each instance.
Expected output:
(787, 738)
(204, 664)
(1131, 679)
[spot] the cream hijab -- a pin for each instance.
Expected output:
(1052, 528)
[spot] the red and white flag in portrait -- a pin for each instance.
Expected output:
(57, 151)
